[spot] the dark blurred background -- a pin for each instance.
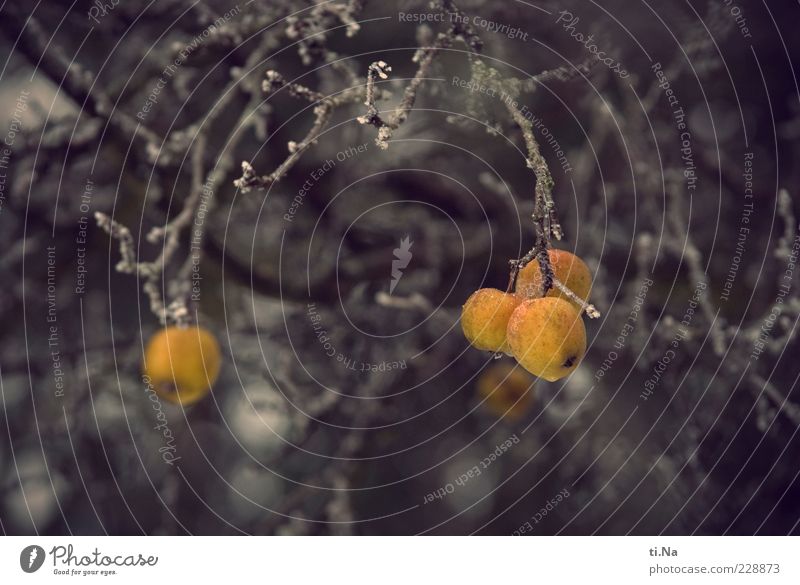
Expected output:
(345, 405)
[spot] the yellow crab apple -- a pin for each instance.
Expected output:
(567, 267)
(507, 389)
(547, 336)
(484, 318)
(182, 363)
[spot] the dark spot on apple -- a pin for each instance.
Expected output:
(569, 362)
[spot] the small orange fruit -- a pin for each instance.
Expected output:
(484, 318)
(547, 336)
(567, 267)
(507, 389)
(182, 363)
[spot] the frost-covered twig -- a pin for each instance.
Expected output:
(311, 29)
(459, 29)
(781, 402)
(149, 271)
(563, 73)
(323, 111)
(587, 308)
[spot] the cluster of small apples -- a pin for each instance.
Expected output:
(182, 363)
(546, 334)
